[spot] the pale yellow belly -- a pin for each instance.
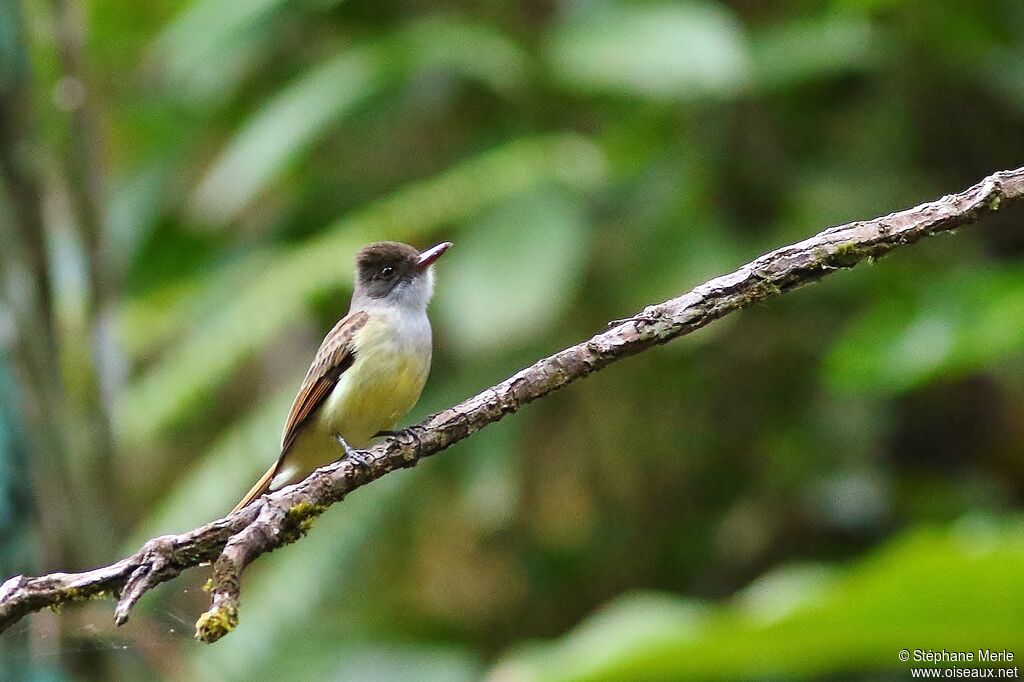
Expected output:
(380, 388)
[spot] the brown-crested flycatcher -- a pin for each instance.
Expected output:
(370, 368)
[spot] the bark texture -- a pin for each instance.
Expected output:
(236, 540)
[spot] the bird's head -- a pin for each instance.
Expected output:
(392, 273)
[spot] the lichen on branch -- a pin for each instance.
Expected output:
(283, 517)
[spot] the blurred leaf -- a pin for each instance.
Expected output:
(952, 326)
(287, 125)
(283, 129)
(515, 271)
(206, 50)
(802, 50)
(1004, 73)
(466, 48)
(682, 51)
(221, 340)
(956, 589)
(133, 209)
(158, 316)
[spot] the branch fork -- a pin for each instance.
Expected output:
(235, 541)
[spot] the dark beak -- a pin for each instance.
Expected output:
(428, 257)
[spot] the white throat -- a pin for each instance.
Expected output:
(409, 298)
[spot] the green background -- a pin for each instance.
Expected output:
(798, 491)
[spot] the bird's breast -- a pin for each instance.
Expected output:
(392, 360)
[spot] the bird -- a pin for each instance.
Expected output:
(370, 368)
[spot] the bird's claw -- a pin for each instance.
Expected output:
(360, 459)
(356, 456)
(341, 441)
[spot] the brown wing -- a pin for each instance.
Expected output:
(336, 354)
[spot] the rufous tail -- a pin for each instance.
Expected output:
(262, 486)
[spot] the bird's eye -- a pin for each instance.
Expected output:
(386, 272)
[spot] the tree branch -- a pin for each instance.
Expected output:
(234, 541)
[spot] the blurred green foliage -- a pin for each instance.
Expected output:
(807, 621)
(796, 492)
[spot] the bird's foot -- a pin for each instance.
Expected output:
(360, 459)
(407, 441)
(354, 455)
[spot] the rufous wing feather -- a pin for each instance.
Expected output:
(336, 354)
